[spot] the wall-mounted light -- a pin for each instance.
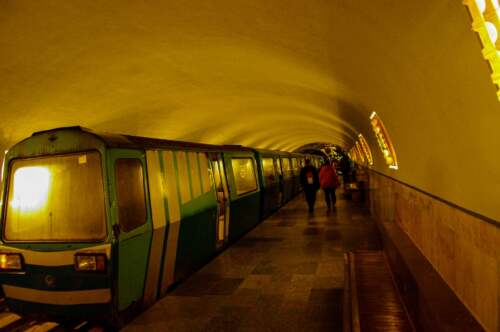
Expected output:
(485, 16)
(360, 152)
(384, 141)
(366, 149)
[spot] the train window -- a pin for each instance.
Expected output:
(287, 168)
(45, 193)
(384, 141)
(130, 194)
(217, 176)
(195, 174)
(244, 175)
(278, 166)
(183, 176)
(171, 187)
(268, 170)
(295, 165)
(204, 172)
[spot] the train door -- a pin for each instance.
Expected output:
(131, 223)
(222, 192)
(280, 180)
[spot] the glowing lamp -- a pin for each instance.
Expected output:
(492, 31)
(90, 262)
(30, 188)
(11, 262)
(481, 5)
(486, 23)
(384, 141)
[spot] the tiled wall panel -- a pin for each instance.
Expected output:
(463, 248)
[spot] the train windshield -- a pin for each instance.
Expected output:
(57, 198)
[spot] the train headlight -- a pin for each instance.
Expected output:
(90, 262)
(11, 262)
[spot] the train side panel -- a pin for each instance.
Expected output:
(296, 175)
(160, 218)
(269, 183)
(198, 227)
(183, 200)
(287, 176)
(244, 192)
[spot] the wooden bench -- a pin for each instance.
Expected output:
(371, 298)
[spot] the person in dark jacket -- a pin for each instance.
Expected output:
(309, 180)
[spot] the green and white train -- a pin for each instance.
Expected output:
(99, 226)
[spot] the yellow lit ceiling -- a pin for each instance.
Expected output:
(265, 73)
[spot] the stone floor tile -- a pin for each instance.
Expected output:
(257, 281)
(328, 282)
(224, 286)
(305, 268)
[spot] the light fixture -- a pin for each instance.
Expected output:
(30, 188)
(366, 149)
(384, 141)
(486, 23)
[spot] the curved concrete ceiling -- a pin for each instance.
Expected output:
(271, 74)
(213, 71)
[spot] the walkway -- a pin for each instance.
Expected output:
(285, 275)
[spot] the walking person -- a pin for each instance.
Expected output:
(329, 181)
(309, 180)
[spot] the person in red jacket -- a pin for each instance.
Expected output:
(329, 181)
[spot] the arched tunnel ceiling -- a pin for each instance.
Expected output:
(247, 72)
(272, 74)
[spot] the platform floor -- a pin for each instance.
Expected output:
(284, 275)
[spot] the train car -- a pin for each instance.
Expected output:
(100, 226)
(271, 194)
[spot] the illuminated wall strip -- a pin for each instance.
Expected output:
(485, 15)
(384, 141)
(356, 156)
(366, 149)
(360, 152)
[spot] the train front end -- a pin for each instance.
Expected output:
(55, 248)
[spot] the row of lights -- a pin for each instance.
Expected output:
(361, 152)
(485, 15)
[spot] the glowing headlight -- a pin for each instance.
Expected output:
(90, 262)
(11, 262)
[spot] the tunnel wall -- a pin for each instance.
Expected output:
(463, 248)
(435, 96)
